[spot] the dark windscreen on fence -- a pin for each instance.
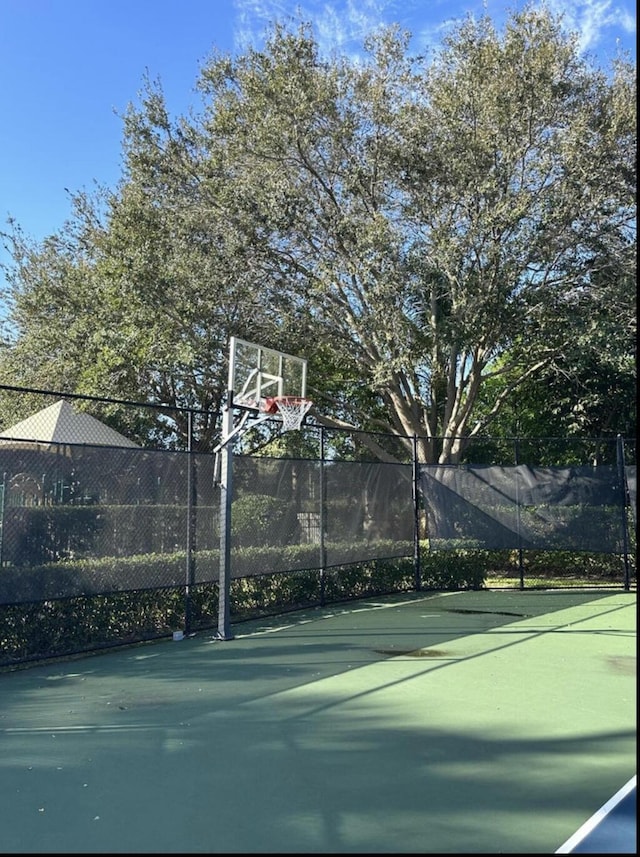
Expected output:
(82, 520)
(78, 520)
(275, 515)
(290, 514)
(543, 508)
(369, 511)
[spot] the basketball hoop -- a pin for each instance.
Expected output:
(292, 409)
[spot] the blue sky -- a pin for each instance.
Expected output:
(70, 67)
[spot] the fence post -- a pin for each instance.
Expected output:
(323, 521)
(189, 571)
(625, 524)
(516, 456)
(416, 516)
(2, 509)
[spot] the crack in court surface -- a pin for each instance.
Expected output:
(415, 653)
(488, 612)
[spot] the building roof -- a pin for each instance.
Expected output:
(60, 423)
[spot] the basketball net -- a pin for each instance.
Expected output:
(292, 410)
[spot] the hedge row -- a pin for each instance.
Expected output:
(90, 621)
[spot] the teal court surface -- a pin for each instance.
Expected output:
(475, 722)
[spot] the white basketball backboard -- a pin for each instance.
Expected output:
(257, 373)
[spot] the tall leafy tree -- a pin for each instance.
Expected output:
(437, 217)
(521, 182)
(417, 227)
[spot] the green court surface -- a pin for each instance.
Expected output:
(473, 722)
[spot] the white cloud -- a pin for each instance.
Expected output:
(592, 18)
(341, 25)
(337, 25)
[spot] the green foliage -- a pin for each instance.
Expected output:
(61, 627)
(269, 594)
(255, 517)
(93, 576)
(451, 570)
(376, 577)
(36, 535)
(583, 567)
(443, 238)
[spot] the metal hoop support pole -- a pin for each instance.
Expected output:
(223, 475)
(224, 576)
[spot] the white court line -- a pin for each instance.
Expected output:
(596, 818)
(347, 610)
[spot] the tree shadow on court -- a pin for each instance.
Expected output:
(343, 738)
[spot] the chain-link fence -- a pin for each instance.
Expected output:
(102, 499)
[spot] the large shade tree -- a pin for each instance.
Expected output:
(417, 227)
(436, 217)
